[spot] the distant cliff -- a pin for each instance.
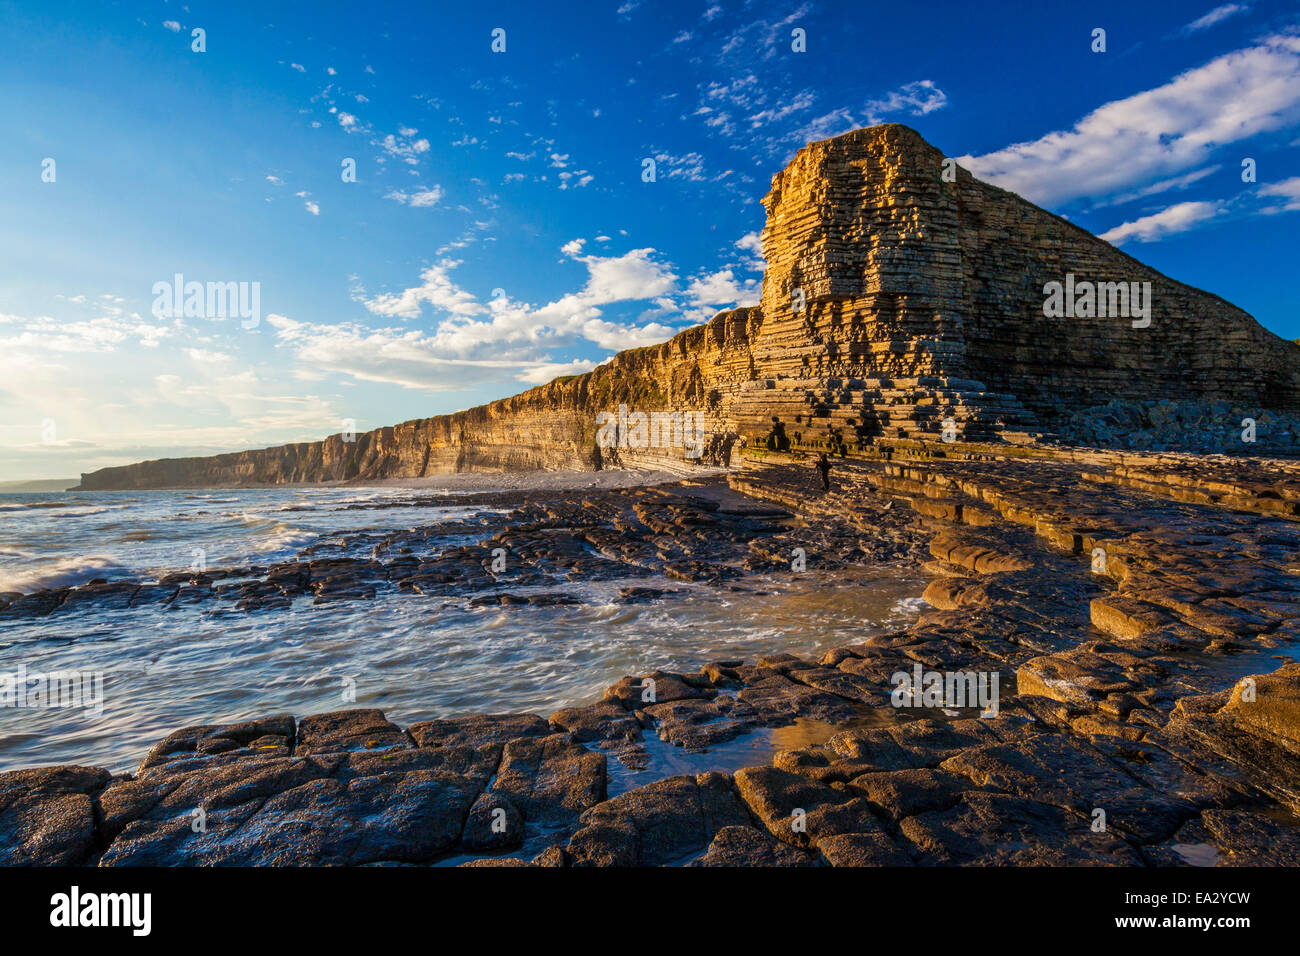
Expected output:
(894, 301)
(552, 426)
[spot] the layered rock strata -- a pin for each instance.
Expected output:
(893, 301)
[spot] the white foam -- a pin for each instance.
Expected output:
(62, 572)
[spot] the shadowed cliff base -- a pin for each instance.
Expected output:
(895, 305)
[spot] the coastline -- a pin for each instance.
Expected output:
(1117, 693)
(538, 480)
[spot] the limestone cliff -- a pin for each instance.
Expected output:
(893, 300)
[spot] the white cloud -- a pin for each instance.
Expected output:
(541, 374)
(1164, 185)
(206, 357)
(1217, 15)
(633, 275)
(919, 98)
(403, 146)
(1168, 221)
(420, 198)
(476, 329)
(405, 357)
(797, 103)
(1158, 133)
(172, 25)
(1288, 189)
(437, 289)
(767, 35)
(722, 288)
(752, 243)
(689, 166)
(102, 334)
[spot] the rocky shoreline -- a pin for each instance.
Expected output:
(1140, 611)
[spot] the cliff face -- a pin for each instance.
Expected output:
(893, 300)
(552, 426)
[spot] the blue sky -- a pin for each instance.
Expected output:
(500, 232)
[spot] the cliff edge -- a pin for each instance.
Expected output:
(896, 303)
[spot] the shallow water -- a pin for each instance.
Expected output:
(57, 540)
(413, 656)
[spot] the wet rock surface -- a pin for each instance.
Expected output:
(514, 549)
(1136, 611)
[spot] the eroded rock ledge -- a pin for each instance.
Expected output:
(1136, 608)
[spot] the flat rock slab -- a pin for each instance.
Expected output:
(349, 730)
(551, 780)
(477, 730)
(332, 809)
(47, 815)
(993, 829)
(664, 822)
(748, 846)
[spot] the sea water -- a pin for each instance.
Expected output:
(414, 656)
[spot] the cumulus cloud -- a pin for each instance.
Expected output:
(436, 289)
(420, 198)
(482, 338)
(403, 146)
(574, 179)
(723, 288)
(752, 244)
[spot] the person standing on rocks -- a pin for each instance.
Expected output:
(824, 467)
